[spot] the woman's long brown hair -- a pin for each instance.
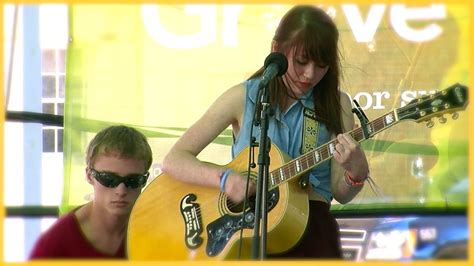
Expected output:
(310, 30)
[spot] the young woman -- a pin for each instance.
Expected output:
(306, 99)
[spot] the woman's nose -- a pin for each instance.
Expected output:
(309, 71)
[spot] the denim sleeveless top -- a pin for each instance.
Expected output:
(285, 131)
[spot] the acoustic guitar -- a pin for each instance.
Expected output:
(174, 220)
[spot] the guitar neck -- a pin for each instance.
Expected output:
(307, 161)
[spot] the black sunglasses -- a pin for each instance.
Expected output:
(112, 180)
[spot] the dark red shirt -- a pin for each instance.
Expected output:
(64, 239)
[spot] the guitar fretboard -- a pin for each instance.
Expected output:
(325, 152)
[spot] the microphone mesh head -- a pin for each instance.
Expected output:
(279, 59)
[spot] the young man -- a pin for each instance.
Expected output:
(118, 159)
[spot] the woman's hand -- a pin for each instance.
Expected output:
(351, 157)
(235, 187)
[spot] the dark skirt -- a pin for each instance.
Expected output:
(321, 238)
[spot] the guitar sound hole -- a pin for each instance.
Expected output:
(238, 208)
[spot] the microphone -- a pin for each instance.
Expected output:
(275, 64)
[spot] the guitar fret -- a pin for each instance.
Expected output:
(379, 124)
(282, 175)
(304, 162)
(298, 167)
(277, 178)
(320, 153)
(310, 161)
(291, 169)
(354, 135)
(360, 134)
(272, 179)
(286, 170)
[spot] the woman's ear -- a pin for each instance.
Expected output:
(274, 46)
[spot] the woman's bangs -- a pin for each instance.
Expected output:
(312, 48)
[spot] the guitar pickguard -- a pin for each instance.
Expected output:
(192, 220)
(221, 230)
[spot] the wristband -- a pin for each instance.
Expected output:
(224, 177)
(351, 182)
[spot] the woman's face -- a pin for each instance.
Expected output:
(303, 73)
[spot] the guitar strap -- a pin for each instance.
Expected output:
(310, 131)
(309, 140)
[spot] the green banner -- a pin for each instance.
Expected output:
(158, 68)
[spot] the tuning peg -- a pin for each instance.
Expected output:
(455, 116)
(442, 119)
(430, 124)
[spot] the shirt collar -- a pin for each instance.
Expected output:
(306, 100)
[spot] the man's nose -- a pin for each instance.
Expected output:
(121, 189)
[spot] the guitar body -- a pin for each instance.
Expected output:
(174, 220)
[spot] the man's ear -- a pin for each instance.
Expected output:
(88, 176)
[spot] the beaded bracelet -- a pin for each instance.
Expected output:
(224, 177)
(352, 182)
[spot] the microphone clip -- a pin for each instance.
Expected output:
(364, 121)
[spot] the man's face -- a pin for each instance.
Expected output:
(115, 200)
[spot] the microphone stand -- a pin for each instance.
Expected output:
(259, 245)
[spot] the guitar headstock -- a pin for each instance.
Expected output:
(447, 101)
